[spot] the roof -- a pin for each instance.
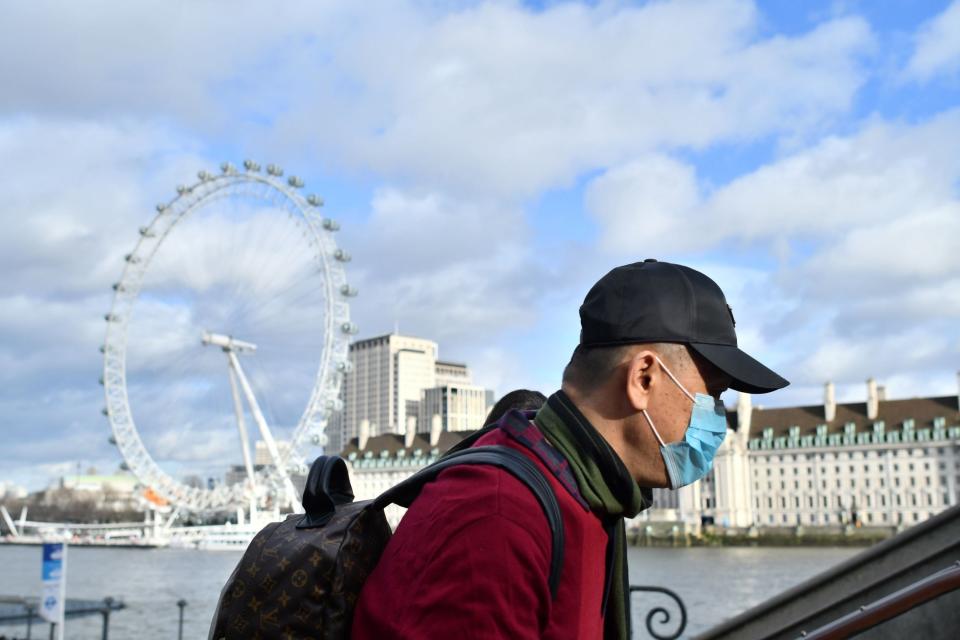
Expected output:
(393, 442)
(892, 413)
(447, 363)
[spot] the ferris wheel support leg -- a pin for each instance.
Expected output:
(241, 426)
(265, 433)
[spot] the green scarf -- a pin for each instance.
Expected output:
(607, 487)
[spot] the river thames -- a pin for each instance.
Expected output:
(715, 583)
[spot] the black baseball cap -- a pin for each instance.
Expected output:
(653, 301)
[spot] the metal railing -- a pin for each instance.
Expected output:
(26, 611)
(889, 607)
(659, 616)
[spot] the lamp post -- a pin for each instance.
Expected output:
(181, 603)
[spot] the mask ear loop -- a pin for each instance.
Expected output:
(652, 428)
(675, 381)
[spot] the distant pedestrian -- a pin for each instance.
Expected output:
(639, 408)
(518, 399)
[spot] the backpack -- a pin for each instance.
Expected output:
(301, 578)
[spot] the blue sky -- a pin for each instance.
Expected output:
(488, 161)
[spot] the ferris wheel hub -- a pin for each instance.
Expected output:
(227, 343)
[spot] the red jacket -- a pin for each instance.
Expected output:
(471, 559)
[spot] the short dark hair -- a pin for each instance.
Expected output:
(520, 399)
(590, 367)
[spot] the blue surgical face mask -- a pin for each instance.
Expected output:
(690, 459)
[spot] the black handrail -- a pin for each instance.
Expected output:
(891, 606)
(662, 612)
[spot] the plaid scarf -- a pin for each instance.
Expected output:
(608, 489)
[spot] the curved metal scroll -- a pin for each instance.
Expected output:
(661, 613)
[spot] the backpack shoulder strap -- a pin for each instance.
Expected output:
(508, 459)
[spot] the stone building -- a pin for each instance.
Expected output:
(390, 377)
(874, 463)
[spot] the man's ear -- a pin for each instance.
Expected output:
(640, 378)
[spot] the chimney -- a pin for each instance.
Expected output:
(364, 434)
(873, 399)
(411, 432)
(436, 426)
(744, 412)
(829, 402)
(881, 393)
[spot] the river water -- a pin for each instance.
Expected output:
(715, 583)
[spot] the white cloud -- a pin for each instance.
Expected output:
(937, 46)
(645, 206)
(415, 93)
(862, 231)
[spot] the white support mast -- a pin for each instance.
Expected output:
(231, 346)
(241, 427)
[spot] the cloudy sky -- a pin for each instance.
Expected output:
(488, 161)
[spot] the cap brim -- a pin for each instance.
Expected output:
(748, 374)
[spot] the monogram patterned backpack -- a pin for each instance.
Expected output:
(301, 578)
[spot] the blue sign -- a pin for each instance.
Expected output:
(54, 572)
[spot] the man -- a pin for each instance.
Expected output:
(639, 408)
